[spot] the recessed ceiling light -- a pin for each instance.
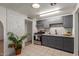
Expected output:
(35, 5)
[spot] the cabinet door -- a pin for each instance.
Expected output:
(46, 25)
(52, 42)
(59, 42)
(40, 24)
(49, 41)
(68, 44)
(45, 40)
(55, 20)
(68, 21)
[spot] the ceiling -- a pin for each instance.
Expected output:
(26, 8)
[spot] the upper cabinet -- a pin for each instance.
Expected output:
(46, 24)
(64, 21)
(56, 20)
(40, 24)
(68, 21)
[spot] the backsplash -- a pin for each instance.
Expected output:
(60, 30)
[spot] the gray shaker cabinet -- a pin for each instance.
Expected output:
(59, 42)
(52, 42)
(45, 40)
(62, 43)
(55, 20)
(46, 23)
(40, 24)
(68, 21)
(48, 41)
(68, 44)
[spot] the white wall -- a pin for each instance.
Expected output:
(12, 22)
(15, 24)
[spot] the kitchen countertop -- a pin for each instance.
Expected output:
(58, 35)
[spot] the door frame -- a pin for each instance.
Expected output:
(32, 28)
(76, 30)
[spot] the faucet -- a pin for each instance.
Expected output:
(56, 32)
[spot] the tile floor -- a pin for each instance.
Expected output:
(38, 50)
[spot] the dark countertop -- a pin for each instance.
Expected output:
(58, 35)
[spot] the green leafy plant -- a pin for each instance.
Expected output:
(16, 40)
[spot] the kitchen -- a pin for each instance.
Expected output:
(53, 30)
(56, 32)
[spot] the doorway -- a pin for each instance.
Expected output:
(28, 30)
(1, 40)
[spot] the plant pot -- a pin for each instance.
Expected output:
(18, 51)
(11, 45)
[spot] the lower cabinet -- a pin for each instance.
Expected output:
(59, 42)
(52, 42)
(68, 44)
(45, 40)
(62, 43)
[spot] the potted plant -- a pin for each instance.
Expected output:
(16, 42)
